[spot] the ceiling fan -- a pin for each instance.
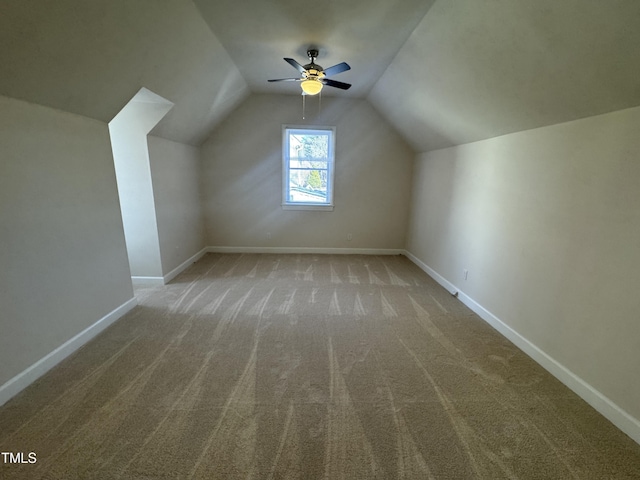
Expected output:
(314, 77)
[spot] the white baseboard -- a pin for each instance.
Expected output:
(183, 266)
(616, 415)
(35, 371)
(151, 281)
(154, 281)
(318, 250)
(432, 273)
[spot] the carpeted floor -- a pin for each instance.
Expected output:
(306, 367)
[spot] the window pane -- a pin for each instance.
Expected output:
(308, 186)
(308, 166)
(306, 146)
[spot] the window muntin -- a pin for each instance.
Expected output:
(308, 161)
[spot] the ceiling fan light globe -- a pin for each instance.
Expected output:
(311, 87)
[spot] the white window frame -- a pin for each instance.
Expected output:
(288, 205)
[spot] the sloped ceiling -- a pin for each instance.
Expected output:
(479, 69)
(442, 73)
(366, 34)
(91, 57)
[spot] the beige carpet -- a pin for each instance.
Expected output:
(306, 367)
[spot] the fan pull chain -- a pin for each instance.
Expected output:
(303, 105)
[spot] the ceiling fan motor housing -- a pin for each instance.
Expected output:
(313, 71)
(314, 76)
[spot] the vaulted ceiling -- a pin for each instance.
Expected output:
(478, 69)
(91, 57)
(443, 73)
(367, 34)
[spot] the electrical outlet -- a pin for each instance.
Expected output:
(465, 273)
(349, 237)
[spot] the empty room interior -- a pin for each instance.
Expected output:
(349, 240)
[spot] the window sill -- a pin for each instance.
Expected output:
(307, 206)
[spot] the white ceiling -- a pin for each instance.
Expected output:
(442, 73)
(478, 69)
(366, 34)
(91, 57)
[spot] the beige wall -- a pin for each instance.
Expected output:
(242, 178)
(547, 222)
(175, 174)
(63, 259)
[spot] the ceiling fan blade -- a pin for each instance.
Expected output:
(339, 68)
(295, 65)
(333, 83)
(285, 80)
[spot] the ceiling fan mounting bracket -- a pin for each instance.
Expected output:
(312, 53)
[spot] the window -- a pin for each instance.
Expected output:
(308, 159)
